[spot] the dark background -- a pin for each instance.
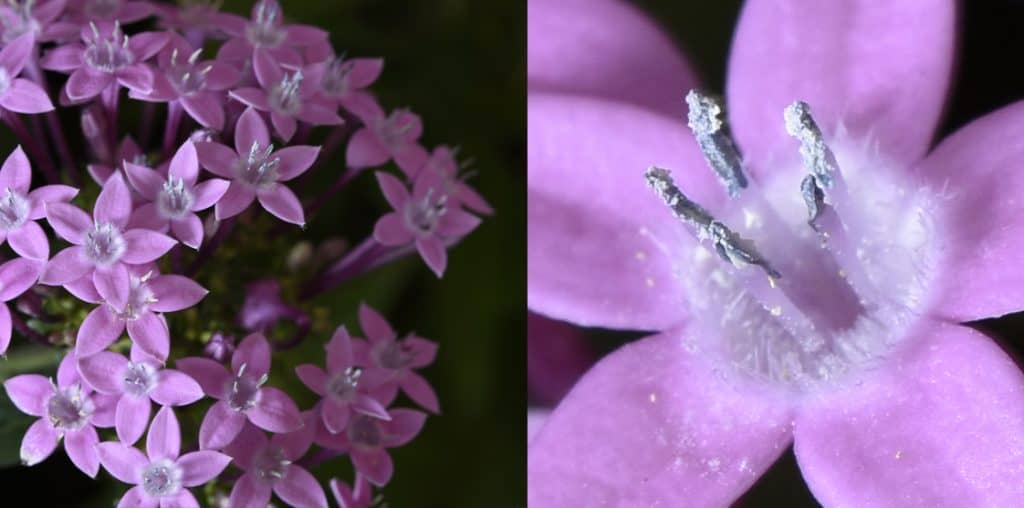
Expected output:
(987, 77)
(459, 64)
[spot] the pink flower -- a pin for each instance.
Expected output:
(266, 32)
(441, 171)
(398, 357)
(20, 95)
(127, 151)
(347, 497)
(20, 208)
(270, 466)
(263, 307)
(160, 477)
(288, 97)
(107, 58)
(257, 171)
(171, 201)
(67, 409)
(135, 383)
(198, 86)
(32, 17)
(366, 440)
(846, 345)
(102, 246)
(240, 394)
(384, 137)
(344, 387)
(424, 218)
(148, 295)
(342, 81)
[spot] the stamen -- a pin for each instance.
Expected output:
(814, 198)
(715, 142)
(818, 158)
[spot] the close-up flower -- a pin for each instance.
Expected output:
(810, 255)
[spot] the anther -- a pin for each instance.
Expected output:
(715, 142)
(817, 157)
(814, 198)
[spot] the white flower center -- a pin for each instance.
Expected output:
(335, 80)
(284, 97)
(258, 170)
(162, 478)
(265, 30)
(104, 244)
(393, 128)
(20, 20)
(108, 53)
(394, 355)
(69, 408)
(342, 385)
(139, 379)
(270, 465)
(174, 200)
(423, 215)
(14, 210)
(188, 77)
(243, 391)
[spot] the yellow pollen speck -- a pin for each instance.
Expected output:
(650, 282)
(653, 397)
(640, 255)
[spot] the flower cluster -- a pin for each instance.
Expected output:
(241, 126)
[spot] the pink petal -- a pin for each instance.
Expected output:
(39, 442)
(136, 497)
(365, 71)
(84, 290)
(339, 350)
(832, 56)
(24, 96)
(652, 424)
(148, 217)
(164, 439)
(235, 201)
(85, 83)
(16, 53)
(149, 332)
(374, 326)
(143, 245)
(175, 389)
(5, 328)
(295, 160)
(220, 426)
(185, 164)
(146, 44)
(457, 224)
(419, 390)
(175, 292)
(138, 78)
(189, 229)
(99, 330)
(131, 418)
(434, 253)
(114, 204)
(251, 97)
(208, 193)
(312, 376)
(982, 231)
(369, 406)
(80, 446)
(210, 375)
(283, 204)
(68, 221)
(206, 109)
(375, 465)
(17, 276)
(183, 499)
(113, 284)
(254, 353)
(607, 49)
(146, 181)
(941, 421)
(335, 414)
(591, 212)
(294, 445)
(49, 193)
(30, 241)
(63, 58)
(267, 72)
(122, 461)
(390, 230)
(66, 266)
(250, 492)
(365, 150)
(315, 114)
(275, 411)
(16, 172)
(103, 371)
(250, 129)
(201, 467)
(29, 393)
(217, 158)
(298, 488)
(393, 189)
(284, 125)
(403, 426)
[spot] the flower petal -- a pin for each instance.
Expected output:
(603, 248)
(220, 426)
(298, 488)
(879, 69)
(201, 467)
(312, 376)
(364, 150)
(237, 198)
(217, 158)
(419, 390)
(434, 253)
(114, 204)
(149, 332)
(24, 96)
(68, 221)
(80, 446)
(122, 461)
(30, 241)
(164, 439)
(17, 276)
(136, 497)
(103, 371)
(39, 442)
(375, 465)
(85, 83)
(175, 292)
(250, 492)
(275, 411)
(29, 393)
(210, 375)
(66, 266)
(250, 129)
(208, 193)
(652, 424)
(99, 330)
(941, 422)
(254, 353)
(143, 246)
(607, 49)
(147, 182)
(16, 172)
(295, 160)
(283, 204)
(374, 326)
(131, 418)
(189, 229)
(175, 389)
(206, 109)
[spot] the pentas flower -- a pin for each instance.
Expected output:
(821, 308)
(257, 171)
(345, 388)
(102, 246)
(162, 475)
(135, 382)
(361, 496)
(20, 208)
(184, 81)
(240, 394)
(287, 96)
(67, 409)
(384, 137)
(171, 201)
(265, 31)
(33, 17)
(20, 95)
(106, 57)
(383, 350)
(440, 170)
(270, 467)
(197, 20)
(16, 277)
(149, 294)
(263, 307)
(343, 80)
(127, 151)
(424, 218)
(366, 440)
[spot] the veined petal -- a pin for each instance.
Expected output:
(941, 422)
(879, 69)
(603, 247)
(652, 424)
